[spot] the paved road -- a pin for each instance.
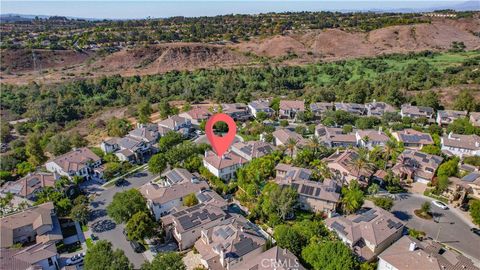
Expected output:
(451, 230)
(114, 233)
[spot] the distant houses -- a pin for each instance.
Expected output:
(353, 108)
(416, 112)
(413, 139)
(344, 170)
(29, 185)
(289, 109)
(196, 115)
(447, 117)
(261, 105)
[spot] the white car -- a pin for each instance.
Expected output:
(75, 259)
(440, 205)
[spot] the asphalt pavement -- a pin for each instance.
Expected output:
(451, 229)
(105, 228)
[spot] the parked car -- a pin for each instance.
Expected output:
(137, 247)
(475, 231)
(440, 205)
(75, 259)
(120, 182)
(464, 207)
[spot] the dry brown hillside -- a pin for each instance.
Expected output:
(23, 66)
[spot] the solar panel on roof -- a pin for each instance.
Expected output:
(295, 186)
(471, 177)
(33, 182)
(174, 176)
(318, 192)
(338, 227)
(310, 190)
(303, 190)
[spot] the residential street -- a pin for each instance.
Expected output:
(451, 230)
(109, 230)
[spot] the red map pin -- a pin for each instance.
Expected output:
(220, 144)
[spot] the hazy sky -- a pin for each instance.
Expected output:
(142, 9)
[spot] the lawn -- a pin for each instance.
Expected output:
(89, 242)
(84, 228)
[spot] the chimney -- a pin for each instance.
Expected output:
(412, 246)
(450, 134)
(206, 153)
(379, 130)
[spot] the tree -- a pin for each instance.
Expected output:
(261, 116)
(164, 109)
(360, 162)
(278, 200)
(5, 130)
(425, 207)
(165, 261)
(169, 140)
(463, 126)
(33, 150)
(290, 238)
(118, 127)
(449, 168)
(329, 255)
(352, 197)
(383, 202)
(80, 213)
(465, 101)
(101, 256)
(432, 150)
(373, 189)
(157, 163)
(144, 112)
(190, 200)
(125, 204)
(290, 145)
(140, 226)
(475, 212)
(24, 168)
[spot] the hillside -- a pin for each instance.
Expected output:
(22, 66)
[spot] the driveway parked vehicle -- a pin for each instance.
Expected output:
(75, 259)
(440, 204)
(137, 247)
(475, 231)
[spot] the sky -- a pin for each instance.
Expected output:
(122, 9)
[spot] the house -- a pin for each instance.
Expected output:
(473, 181)
(29, 185)
(461, 145)
(368, 232)
(276, 258)
(261, 105)
(371, 138)
(319, 197)
(38, 224)
(320, 108)
(127, 148)
(417, 166)
(38, 256)
(342, 165)
(252, 149)
(289, 109)
(229, 243)
(78, 162)
(282, 136)
(196, 115)
(237, 111)
(475, 119)
(353, 108)
(147, 133)
(225, 166)
(378, 109)
(411, 254)
(186, 226)
(416, 112)
(175, 123)
(162, 199)
(413, 139)
(447, 117)
(335, 137)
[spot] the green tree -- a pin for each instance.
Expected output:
(425, 207)
(475, 212)
(352, 197)
(24, 168)
(463, 126)
(290, 238)
(190, 200)
(465, 101)
(329, 255)
(169, 140)
(165, 261)
(144, 112)
(157, 163)
(432, 150)
(80, 213)
(373, 189)
(59, 144)
(125, 204)
(33, 150)
(449, 168)
(140, 226)
(383, 202)
(5, 130)
(101, 256)
(118, 127)
(164, 109)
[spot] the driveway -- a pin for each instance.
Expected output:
(452, 229)
(105, 228)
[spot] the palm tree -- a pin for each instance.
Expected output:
(314, 143)
(360, 162)
(291, 144)
(321, 168)
(389, 149)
